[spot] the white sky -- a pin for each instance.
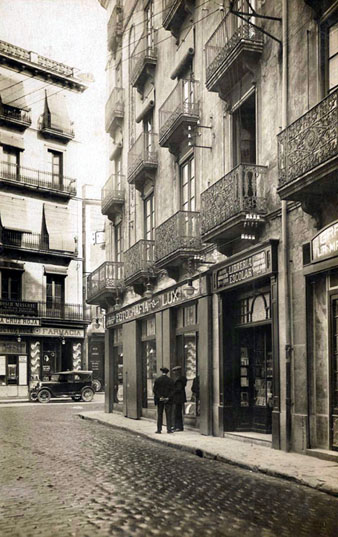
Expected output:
(72, 32)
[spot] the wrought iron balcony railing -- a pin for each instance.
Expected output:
(112, 194)
(177, 236)
(15, 116)
(309, 143)
(139, 259)
(48, 309)
(29, 177)
(145, 53)
(182, 105)
(107, 278)
(114, 107)
(224, 47)
(174, 11)
(142, 155)
(32, 241)
(239, 191)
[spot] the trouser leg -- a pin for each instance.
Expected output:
(160, 408)
(168, 415)
(178, 416)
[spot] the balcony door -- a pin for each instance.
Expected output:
(55, 295)
(188, 197)
(149, 30)
(244, 132)
(11, 163)
(55, 161)
(148, 137)
(10, 285)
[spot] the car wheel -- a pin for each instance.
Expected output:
(87, 394)
(44, 396)
(96, 385)
(33, 397)
(76, 397)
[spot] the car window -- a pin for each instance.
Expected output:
(55, 378)
(77, 377)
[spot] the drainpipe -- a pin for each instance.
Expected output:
(285, 245)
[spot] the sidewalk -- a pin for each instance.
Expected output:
(309, 471)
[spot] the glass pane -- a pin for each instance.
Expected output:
(333, 71)
(333, 40)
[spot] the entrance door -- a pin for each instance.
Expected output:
(149, 372)
(253, 379)
(334, 371)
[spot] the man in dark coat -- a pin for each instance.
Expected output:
(179, 398)
(163, 398)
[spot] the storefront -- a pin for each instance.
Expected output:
(29, 352)
(164, 331)
(249, 367)
(320, 267)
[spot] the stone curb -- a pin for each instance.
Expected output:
(219, 458)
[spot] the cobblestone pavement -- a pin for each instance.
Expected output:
(66, 477)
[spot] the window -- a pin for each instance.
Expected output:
(118, 239)
(149, 218)
(244, 133)
(329, 53)
(148, 136)
(55, 291)
(333, 56)
(149, 25)
(188, 185)
(10, 285)
(118, 79)
(11, 162)
(118, 173)
(55, 159)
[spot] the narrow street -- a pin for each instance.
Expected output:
(63, 476)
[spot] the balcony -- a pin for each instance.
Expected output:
(112, 196)
(174, 13)
(15, 117)
(28, 178)
(308, 154)
(63, 134)
(231, 51)
(142, 160)
(114, 110)
(234, 206)
(34, 243)
(44, 310)
(143, 62)
(178, 238)
(105, 283)
(40, 67)
(178, 112)
(139, 262)
(115, 28)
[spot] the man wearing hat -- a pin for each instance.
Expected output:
(179, 398)
(163, 398)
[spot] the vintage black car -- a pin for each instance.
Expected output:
(75, 384)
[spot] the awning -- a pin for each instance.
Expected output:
(183, 64)
(11, 265)
(56, 106)
(147, 106)
(59, 228)
(12, 140)
(14, 214)
(12, 93)
(55, 269)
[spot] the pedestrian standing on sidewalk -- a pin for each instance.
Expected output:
(179, 398)
(163, 399)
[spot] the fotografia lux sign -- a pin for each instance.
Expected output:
(325, 244)
(245, 269)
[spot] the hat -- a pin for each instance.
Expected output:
(164, 370)
(177, 368)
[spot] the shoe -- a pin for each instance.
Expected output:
(170, 432)
(178, 430)
(157, 432)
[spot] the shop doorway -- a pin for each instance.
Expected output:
(149, 361)
(334, 371)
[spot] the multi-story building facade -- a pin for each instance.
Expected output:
(223, 203)
(41, 309)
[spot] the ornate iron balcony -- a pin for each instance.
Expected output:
(15, 117)
(179, 110)
(308, 151)
(143, 61)
(36, 179)
(230, 204)
(142, 159)
(177, 238)
(104, 281)
(48, 309)
(174, 12)
(35, 242)
(138, 260)
(112, 195)
(229, 51)
(114, 109)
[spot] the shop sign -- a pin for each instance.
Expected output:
(22, 321)
(18, 307)
(42, 331)
(244, 269)
(325, 244)
(169, 298)
(12, 347)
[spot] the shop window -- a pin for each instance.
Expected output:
(252, 309)
(149, 361)
(10, 285)
(244, 133)
(334, 368)
(118, 363)
(187, 354)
